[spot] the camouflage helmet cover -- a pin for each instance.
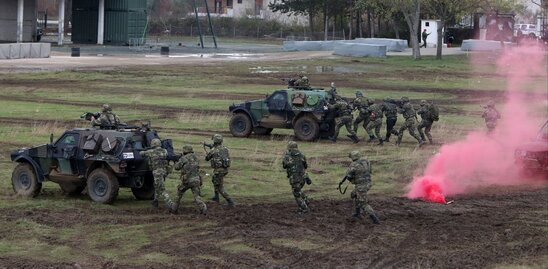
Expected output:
(187, 149)
(370, 101)
(106, 108)
(405, 99)
(292, 145)
(355, 155)
(217, 139)
(387, 99)
(491, 103)
(424, 102)
(155, 143)
(359, 93)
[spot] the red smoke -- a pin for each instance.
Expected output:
(483, 159)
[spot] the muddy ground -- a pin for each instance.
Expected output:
(482, 230)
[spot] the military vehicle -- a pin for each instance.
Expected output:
(101, 160)
(302, 109)
(532, 157)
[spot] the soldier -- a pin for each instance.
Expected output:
(332, 94)
(345, 113)
(410, 115)
(360, 103)
(491, 116)
(359, 174)
(390, 110)
(375, 121)
(190, 178)
(157, 162)
(302, 82)
(107, 118)
(426, 121)
(294, 163)
(220, 162)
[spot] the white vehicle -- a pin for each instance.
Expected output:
(526, 30)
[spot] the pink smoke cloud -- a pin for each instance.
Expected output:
(483, 159)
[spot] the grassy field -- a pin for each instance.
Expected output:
(189, 104)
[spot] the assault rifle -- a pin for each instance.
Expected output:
(398, 103)
(87, 116)
(204, 145)
(340, 185)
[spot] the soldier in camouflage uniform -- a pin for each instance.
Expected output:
(190, 178)
(220, 162)
(345, 113)
(107, 118)
(359, 174)
(332, 94)
(157, 162)
(426, 121)
(302, 82)
(375, 121)
(390, 110)
(294, 163)
(410, 124)
(360, 104)
(491, 116)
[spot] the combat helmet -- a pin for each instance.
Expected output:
(405, 99)
(355, 155)
(359, 94)
(370, 101)
(106, 108)
(386, 99)
(155, 143)
(491, 103)
(292, 145)
(424, 102)
(217, 139)
(187, 149)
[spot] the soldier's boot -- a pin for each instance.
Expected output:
(421, 143)
(431, 141)
(381, 142)
(374, 218)
(357, 214)
(203, 210)
(354, 138)
(155, 203)
(398, 142)
(230, 202)
(333, 138)
(172, 207)
(371, 139)
(215, 197)
(387, 138)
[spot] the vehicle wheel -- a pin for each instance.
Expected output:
(146, 192)
(72, 188)
(102, 186)
(24, 181)
(240, 125)
(262, 131)
(306, 128)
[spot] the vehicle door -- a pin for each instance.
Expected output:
(65, 151)
(277, 106)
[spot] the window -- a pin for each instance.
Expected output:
(69, 139)
(277, 101)
(229, 3)
(427, 24)
(239, 1)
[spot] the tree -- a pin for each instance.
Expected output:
(411, 10)
(298, 7)
(445, 11)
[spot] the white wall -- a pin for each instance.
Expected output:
(8, 20)
(431, 27)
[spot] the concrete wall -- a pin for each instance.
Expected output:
(390, 44)
(482, 45)
(8, 21)
(360, 50)
(24, 50)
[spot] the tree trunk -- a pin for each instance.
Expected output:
(440, 39)
(412, 17)
(369, 23)
(358, 24)
(396, 28)
(311, 22)
(350, 26)
(325, 23)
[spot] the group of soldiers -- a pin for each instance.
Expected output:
(294, 161)
(370, 115)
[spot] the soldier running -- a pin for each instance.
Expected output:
(410, 124)
(157, 162)
(220, 162)
(359, 174)
(190, 178)
(426, 121)
(491, 116)
(360, 104)
(295, 164)
(345, 113)
(375, 121)
(390, 110)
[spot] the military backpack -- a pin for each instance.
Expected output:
(434, 112)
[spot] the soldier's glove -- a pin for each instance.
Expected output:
(308, 180)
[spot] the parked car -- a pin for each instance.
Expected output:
(532, 157)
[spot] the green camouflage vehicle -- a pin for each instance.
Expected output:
(302, 109)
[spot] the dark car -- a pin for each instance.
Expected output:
(303, 110)
(532, 157)
(101, 160)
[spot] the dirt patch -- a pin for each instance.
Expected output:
(502, 226)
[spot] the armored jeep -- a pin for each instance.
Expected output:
(302, 109)
(101, 160)
(532, 157)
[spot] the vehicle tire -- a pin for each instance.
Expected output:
(262, 130)
(306, 128)
(102, 186)
(72, 188)
(240, 125)
(24, 181)
(145, 192)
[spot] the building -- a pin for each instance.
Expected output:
(18, 21)
(431, 27)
